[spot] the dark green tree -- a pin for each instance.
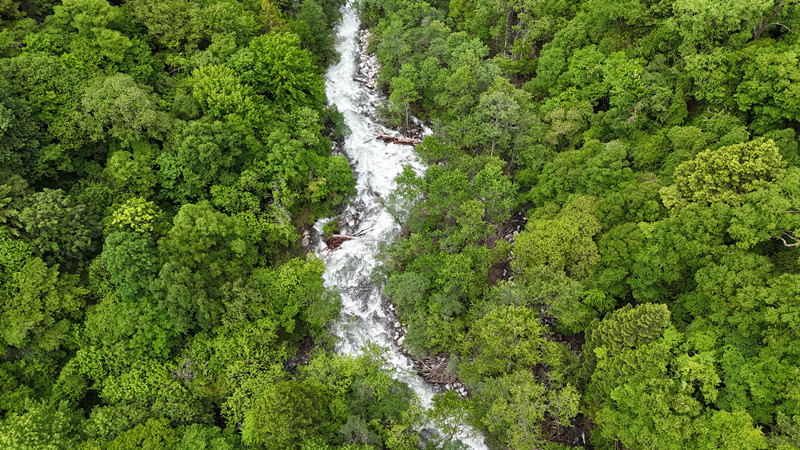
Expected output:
(60, 230)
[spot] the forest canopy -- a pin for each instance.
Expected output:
(603, 247)
(608, 227)
(160, 161)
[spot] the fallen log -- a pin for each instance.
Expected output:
(337, 240)
(347, 237)
(398, 140)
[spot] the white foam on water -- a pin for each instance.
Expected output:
(349, 268)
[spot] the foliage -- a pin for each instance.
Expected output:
(119, 108)
(608, 224)
(284, 415)
(41, 426)
(60, 230)
(725, 174)
(652, 210)
(159, 162)
(563, 242)
(204, 250)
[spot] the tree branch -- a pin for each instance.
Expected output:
(765, 23)
(790, 236)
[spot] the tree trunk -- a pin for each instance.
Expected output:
(406, 117)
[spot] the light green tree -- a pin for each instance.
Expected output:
(725, 175)
(285, 414)
(563, 242)
(404, 93)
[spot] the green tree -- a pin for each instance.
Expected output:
(202, 437)
(517, 404)
(131, 172)
(204, 250)
(41, 426)
(675, 248)
(291, 295)
(404, 93)
(645, 392)
(130, 259)
(618, 249)
(552, 292)
(769, 213)
(172, 24)
(725, 174)
(731, 20)
(9, 10)
(119, 107)
(160, 386)
(21, 135)
(155, 433)
(499, 112)
(138, 215)
(60, 230)
(312, 24)
(51, 91)
(285, 414)
(277, 66)
(563, 241)
(12, 201)
(503, 340)
(459, 86)
(40, 307)
(767, 87)
(213, 152)
(220, 91)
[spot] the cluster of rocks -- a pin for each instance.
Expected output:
(398, 330)
(368, 66)
(519, 221)
(432, 369)
(459, 387)
(305, 241)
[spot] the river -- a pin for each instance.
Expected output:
(363, 319)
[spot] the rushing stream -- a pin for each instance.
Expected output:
(349, 267)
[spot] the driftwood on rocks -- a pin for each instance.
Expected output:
(337, 240)
(398, 140)
(434, 370)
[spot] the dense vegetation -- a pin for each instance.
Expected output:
(159, 158)
(652, 148)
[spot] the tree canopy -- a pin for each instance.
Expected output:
(601, 251)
